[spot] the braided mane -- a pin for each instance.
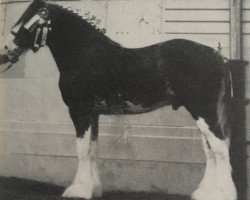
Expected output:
(88, 20)
(76, 17)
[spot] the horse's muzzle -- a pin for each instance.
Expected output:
(12, 58)
(3, 59)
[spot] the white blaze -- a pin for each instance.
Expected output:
(11, 46)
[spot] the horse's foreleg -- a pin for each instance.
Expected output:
(222, 184)
(86, 183)
(224, 170)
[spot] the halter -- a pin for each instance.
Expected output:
(40, 23)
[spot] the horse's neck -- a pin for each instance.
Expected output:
(70, 36)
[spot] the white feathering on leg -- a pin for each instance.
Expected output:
(86, 183)
(222, 185)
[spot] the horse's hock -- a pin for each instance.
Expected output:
(160, 151)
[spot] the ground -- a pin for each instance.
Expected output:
(21, 189)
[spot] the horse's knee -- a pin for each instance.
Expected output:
(83, 146)
(220, 147)
(81, 120)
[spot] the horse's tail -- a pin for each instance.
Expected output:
(224, 100)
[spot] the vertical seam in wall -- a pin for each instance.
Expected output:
(4, 18)
(235, 29)
(161, 16)
(106, 15)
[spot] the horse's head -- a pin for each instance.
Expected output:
(29, 32)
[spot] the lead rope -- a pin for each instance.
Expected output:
(6, 68)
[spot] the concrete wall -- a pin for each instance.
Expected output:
(159, 151)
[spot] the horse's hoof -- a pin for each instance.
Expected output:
(78, 191)
(97, 192)
(230, 193)
(229, 190)
(202, 194)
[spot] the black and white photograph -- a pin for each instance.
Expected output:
(124, 99)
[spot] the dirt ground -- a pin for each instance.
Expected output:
(21, 189)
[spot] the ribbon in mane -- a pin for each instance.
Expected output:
(39, 23)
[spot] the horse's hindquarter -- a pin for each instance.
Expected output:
(194, 72)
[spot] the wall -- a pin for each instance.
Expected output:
(160, 151)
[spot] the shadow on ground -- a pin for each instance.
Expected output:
(21, 189)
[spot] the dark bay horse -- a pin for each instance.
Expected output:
(99, 76)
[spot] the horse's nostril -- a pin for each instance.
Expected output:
(3, 59)
(5, 47)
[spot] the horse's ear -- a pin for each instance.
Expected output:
(39, 2)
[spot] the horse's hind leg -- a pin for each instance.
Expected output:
(221, 186)
(86, 183)
(205, 186)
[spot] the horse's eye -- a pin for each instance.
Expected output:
(17, 42)
(23, 38)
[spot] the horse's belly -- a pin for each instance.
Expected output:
(127, 107)
(135, 102)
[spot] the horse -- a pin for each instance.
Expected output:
(99, 76)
